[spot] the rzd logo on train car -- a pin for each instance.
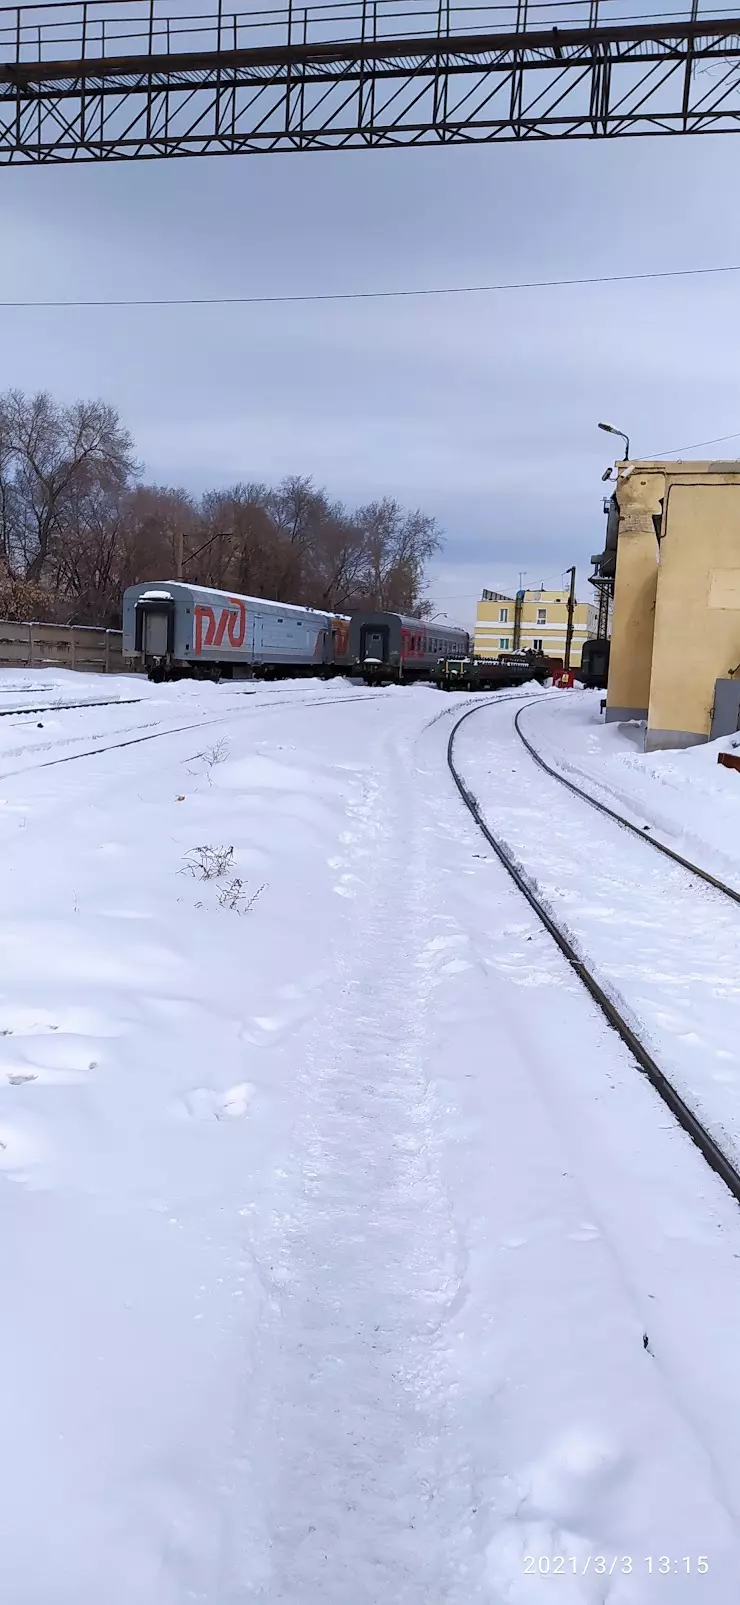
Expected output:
(223, 627)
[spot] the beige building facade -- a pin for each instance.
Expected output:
(676, 624)
(534, 620)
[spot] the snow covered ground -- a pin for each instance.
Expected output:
(690, 801)
(665, 944)
(346, 1257)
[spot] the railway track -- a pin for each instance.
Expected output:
(642, 832)
(647, 1064)
(199, 724)
(63, 707)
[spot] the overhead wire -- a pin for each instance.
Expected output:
(717, 440)
(58, 304)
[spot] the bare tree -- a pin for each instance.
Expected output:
(76, 528)
(156, 520)
(22, 602)
(8, 499)
(397, 546)
(245, 550)
(52, 449)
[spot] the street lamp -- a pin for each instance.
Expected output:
(610, 430)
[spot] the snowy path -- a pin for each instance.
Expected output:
(364, 1504)
(332, 1230)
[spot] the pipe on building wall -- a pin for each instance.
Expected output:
(518, 605)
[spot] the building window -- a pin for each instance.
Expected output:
(504, 643)
(503, 615)
(542, 615)
(537, 645)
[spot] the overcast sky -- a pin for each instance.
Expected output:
(481, 409)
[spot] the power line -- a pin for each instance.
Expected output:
(375, 295)
(717, 441)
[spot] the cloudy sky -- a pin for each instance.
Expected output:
(482, 409)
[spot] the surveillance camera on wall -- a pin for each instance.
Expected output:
(607, 475)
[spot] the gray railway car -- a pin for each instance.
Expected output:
(177, 629)
(390, 646)
(594, 670)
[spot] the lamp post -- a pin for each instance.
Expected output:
(610, 430)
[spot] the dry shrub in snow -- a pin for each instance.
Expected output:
(208, 863)
(212, 864)
(235, 896)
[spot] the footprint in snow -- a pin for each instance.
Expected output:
(204, 1103)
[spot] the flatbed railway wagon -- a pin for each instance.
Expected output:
(174, 629)
(391, 647)
(492, 674)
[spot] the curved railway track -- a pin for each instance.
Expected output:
(64, 707)
(199, 724)
(612, 813)
(709, 1148)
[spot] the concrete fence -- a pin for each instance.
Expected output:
(66, 646)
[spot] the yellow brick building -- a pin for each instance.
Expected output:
(532, 620)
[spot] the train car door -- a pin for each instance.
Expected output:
(155, 621)
(374, 643)
(155, 633)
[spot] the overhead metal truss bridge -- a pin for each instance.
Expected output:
(101, 81)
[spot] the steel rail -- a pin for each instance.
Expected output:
(619, 819)
(683, 1114)
(176, 730)
(63, 707)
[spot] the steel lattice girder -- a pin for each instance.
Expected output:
(574, 83)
